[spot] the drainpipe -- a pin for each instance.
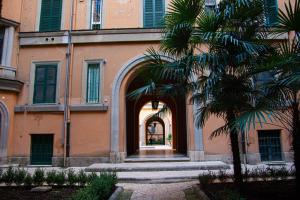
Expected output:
(67, 121)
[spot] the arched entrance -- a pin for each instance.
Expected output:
(4, 124)
(133, 107)
(121, 145)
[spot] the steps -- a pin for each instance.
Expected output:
(158, 172)
(154, 159)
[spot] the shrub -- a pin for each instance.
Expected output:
(206, 179)
(60, 178)
(50, 179)
(222, 176)
(227, 194)
(283, 173)
(28, 180)
(38, 177)
(72, 178)
(8, 176)
(82, 178)
(91, 177)
(1, 172)
(100, 188)
(20, 175)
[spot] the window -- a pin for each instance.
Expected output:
(45, 83)
(154, 11)
(93, 83)
(2, 33)
(269, 145)
(271, 12)
(41, 149)
(96, 15)
(50, 19)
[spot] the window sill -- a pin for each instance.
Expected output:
(89, 107)
(39, 108)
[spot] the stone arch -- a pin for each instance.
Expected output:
(156, 119)
(115, 102)
(3, 129)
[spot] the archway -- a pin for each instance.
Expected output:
(4, 124)
(119, 116)
(133, 106)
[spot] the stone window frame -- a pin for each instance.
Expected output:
(32, 81)
(38, 15)
(8, 42)
(84, 79)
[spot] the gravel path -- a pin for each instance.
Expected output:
(172, 191)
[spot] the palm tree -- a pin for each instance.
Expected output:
(281, 99)
(219, 78)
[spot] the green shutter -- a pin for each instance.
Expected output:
(50, 19)
(154, 11)
(271, 12)
(45, 84)
(93, 83)
(41, 149)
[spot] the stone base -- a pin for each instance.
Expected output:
(3, 160)
(22, 161)
(85, 161)
(196, 156)
(117, 157)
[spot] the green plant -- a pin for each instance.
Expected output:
(50, 178)
(28, 180)
(91, 177)
(222, 176)
(227, 194)
(20, 175)
(1, 172)
(38, 177)
(82, 178)
(8, 176)
(206, 179)
(100, 188)
(60, 178)
(72, 177)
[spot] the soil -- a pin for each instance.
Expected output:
(258, 190)
(23, 193)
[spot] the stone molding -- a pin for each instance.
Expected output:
(39, 108)
(10, 85)
(88, 107)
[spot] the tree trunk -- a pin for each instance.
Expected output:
(296, 140)
(238, 178)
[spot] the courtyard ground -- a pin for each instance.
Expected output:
(172, 191)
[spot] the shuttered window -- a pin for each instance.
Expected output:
(93, 83)
(50, 19)
(271, 12)
(41, 149)
(45, 84)
(154, 11)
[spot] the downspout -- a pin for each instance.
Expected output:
(67, 91)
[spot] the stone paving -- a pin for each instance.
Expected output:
(169, 191)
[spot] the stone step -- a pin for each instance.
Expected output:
(154, 159)
(158, 176)
(157, 166)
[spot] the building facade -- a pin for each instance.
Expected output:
(66, 68)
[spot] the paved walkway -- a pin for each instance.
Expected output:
(170, 191)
